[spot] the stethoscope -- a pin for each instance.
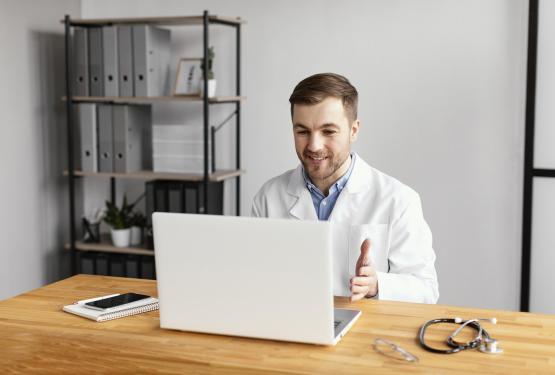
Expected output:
(483, 341)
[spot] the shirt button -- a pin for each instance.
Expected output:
(324, 202)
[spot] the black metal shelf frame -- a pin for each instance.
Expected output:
(208, 132)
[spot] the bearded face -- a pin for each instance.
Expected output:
(323, 137)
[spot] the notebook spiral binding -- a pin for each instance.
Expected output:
(129, 312)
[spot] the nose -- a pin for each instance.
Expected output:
(315, 143)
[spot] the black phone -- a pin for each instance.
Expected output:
(116, 301)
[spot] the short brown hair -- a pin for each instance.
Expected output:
(316, 88)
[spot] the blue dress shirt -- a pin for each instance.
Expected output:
(324, 205)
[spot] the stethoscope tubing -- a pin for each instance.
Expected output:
(455, 346)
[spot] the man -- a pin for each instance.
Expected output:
(382, 247)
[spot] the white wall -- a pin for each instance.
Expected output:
(33, 195)
(441, 86)
(542, 277)
(544, 154)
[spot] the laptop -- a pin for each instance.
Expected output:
(251, 277)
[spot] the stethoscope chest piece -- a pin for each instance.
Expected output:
(489, 346)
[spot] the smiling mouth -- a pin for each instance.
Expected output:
(316, 158)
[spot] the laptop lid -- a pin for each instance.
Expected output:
(253, 277)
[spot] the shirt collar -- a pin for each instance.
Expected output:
(339, 184)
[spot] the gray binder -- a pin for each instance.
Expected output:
(128, 138)
(105, 138)
(87, 134)
(95, 62)
(77, 160)
(145, 115)
(110, 60)
(151, 60)
(175, 197)
(125, 60)
(149, 201)
(81, 62)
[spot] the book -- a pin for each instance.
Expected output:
(129, 309)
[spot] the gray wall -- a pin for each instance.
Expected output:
(33, 196)
(441, 103)
(441, 87)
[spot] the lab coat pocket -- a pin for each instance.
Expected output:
(379, 245)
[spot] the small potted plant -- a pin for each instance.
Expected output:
(119, 221)
(210, 74)
(138, 223)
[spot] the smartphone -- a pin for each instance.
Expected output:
(116, 301)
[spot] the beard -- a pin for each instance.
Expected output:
(324, 168)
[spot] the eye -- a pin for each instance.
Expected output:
(302, 132)
(329, 132)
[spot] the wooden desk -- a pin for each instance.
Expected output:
(36, 336)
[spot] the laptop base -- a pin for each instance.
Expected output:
(343, 321)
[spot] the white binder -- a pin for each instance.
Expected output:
(151, 60)
(95, 62)
(81, 62)
(88, 137)
(110, 60)
(125, 60)
(105, 138)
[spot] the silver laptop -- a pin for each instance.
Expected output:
(252, 277)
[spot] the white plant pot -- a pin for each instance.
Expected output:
(121, 237)
(211, 88)
(136, 236)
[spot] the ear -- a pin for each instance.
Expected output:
(355, 126)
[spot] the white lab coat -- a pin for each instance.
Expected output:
(372, 205)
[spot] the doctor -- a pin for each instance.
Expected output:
(382, 247)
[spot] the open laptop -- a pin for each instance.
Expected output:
(252, 277)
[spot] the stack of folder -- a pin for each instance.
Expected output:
(122, 265)
(179, 148)
(122, 61)
(182, 197)
(114, 138)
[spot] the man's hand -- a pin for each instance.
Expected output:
(365, 283)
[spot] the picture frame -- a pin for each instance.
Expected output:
(188, 77)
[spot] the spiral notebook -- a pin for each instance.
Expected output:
(129, 309)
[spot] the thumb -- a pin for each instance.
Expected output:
(364, 258)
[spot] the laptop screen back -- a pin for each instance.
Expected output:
(254, 277)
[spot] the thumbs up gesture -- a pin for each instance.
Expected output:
(365, 283)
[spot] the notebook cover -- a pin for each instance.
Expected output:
(130, 309)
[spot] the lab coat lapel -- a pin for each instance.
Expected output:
(302, 208)
(342, 218)
(347, 204)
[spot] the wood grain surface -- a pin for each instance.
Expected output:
(37, 336)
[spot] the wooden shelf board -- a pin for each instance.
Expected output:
(153, 99)
(149, 175)
(168, 21)
(107, 247)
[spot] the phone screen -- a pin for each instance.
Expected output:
(115, 301)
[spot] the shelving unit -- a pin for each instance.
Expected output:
(205, 178)
(105, 247)
(217, 176)
(153, 99)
